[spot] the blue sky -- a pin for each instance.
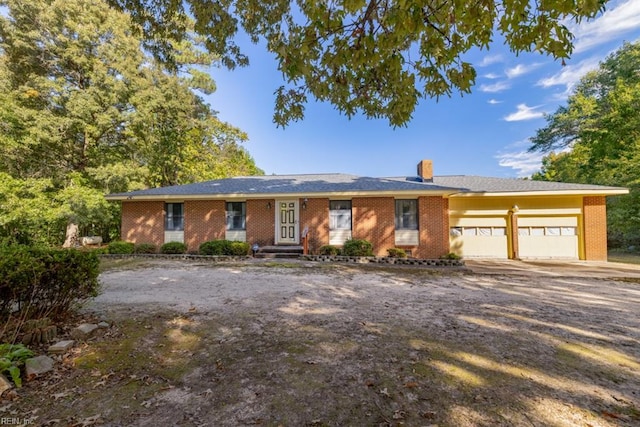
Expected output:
(482, 133)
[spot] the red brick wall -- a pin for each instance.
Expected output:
(316, 217)
(204, 220)
(434, 227)
(143, 222)
(595, 228)
(374, 220)
(261, 222)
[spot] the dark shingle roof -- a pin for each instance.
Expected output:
(343, 183)
(481, 184)
(283, 184)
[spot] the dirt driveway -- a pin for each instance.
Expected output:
(297, 344)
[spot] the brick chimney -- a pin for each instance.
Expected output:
(425, 170)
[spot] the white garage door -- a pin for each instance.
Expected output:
(548, 237)
(479, 237)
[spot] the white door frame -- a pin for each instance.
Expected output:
(284, 236)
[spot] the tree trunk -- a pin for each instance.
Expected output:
(71, 239)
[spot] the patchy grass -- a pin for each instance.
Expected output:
(624, 257)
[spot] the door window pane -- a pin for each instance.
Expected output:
(553, 231)
(568, 231)
(499, 231)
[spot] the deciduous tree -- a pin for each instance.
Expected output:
(376, 57)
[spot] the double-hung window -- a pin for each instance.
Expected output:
(340, 215)
(236, 215)
(174, 218)
(406, 214)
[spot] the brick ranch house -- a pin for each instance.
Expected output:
(427, 215)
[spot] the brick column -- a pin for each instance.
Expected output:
(433, 214)
(142, 222)
(316, 217)
(374, 220)
(261, 224)
(594, 214)
(204, 220)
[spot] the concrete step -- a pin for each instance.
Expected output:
(277, 255)
(281, 249)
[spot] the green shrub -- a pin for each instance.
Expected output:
(12, 357)
(40, 282)
(357, 247)
(120, 247)
(215, 247)
(224, 247)
(451, 255)
(329, 250)
(145, 248)
(173, 248)
(238, 248)
(397, 253)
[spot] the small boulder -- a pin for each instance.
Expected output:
(61, 347)
(103, 325)
(36, 366)
(83, 331)
(4, 384)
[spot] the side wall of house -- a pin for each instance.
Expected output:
(261, 221)
(316, 217)
(204, 220)
(142, 222)
(595, 228)
(374, 220)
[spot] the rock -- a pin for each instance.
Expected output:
(26, 339)
(61, 347)
(38, 365)
(103, 325)
(4, 384)
(83, 331)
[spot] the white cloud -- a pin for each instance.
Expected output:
(491, 76)
(519, 70)
(494, 101)
(524, 113)
(495, 87)
(570, 74)
(623, 18)
(490, 59)
(515, 71)
(523, 162)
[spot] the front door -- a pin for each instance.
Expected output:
(287, 222)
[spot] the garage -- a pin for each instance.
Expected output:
(479, 237)
(548, 237)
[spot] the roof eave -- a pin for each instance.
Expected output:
(328, 194)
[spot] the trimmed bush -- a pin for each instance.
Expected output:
(397, 253)
(173, 248)
(145, 248)
(451, 255)
(329, 250)
(224, 247)
(39, 282)
(357, 247)
(239, 248)
(215, 247)
(120, 247)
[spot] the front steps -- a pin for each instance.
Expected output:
(288, 251)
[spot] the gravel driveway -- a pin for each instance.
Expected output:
(294, 343)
